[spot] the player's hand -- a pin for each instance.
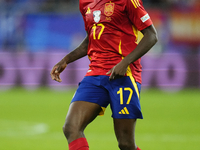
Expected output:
(118, 70)
(56, 70)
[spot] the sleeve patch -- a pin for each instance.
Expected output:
(145, 18)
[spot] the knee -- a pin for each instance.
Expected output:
(69, 130)
(126, 145)
(66, 130)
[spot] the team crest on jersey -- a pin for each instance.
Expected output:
(109, 9)
(97, 15)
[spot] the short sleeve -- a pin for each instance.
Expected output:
(137, 14)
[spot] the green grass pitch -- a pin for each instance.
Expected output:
(32, 120)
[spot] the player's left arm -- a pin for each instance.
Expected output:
(148, 41)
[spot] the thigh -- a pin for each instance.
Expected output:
(81, 113)
(90, 90)
(125, 130)
(125, 103)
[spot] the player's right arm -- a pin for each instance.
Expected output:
(77, 53)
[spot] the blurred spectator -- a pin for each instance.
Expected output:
(59, 5)
(13, 15)
(11, 25)
(182, 4)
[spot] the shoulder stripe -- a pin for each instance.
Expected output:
(136, 3)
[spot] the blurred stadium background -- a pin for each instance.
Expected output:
(36, 34)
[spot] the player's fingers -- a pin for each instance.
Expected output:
(52, 76)
(52, 73)
(53, 70)
(58, 78)
(109, 72)
(112, 76)
(57, 70)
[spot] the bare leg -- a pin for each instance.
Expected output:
(125, 133)
(80, 114)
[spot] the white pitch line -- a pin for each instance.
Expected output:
(10, 128)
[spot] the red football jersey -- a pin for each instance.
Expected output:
(112, 27)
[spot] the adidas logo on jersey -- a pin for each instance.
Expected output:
(124, 111)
